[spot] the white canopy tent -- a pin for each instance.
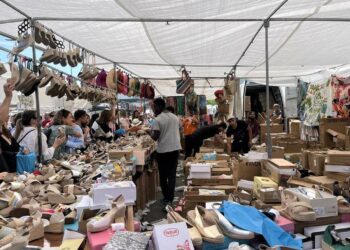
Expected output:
(152, 39)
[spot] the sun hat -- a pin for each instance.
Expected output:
(219, 92)
(136, 122)
(231, 117)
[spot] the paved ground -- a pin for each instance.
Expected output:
(156, 212)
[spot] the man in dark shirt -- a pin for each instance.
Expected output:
(196, 139)
(239, 136)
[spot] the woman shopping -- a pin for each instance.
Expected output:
(101, 129)
(62, 126)
(26, 135)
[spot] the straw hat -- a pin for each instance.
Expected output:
(136, 122)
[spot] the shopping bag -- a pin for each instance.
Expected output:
(183, 86)
(25, 162)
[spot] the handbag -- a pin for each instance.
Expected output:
(25, 162)
(149, 91)
(230, 85)
(101, 79)
(183, 85)
(125, 86)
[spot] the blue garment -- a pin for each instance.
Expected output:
(74, 142)
(120, 131)
(249, 218)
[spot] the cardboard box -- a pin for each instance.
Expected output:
(324, 206)
(316, 233)
(102, 192)
(294, 181)
(294, 128)
(337, 176)
(291, 145)
(279, 170)
(258, 204)
(118, 154)
(316, 161)
(274, 128)
(98, 240)
(200, 171)
(172, 236)
(269, 195)
(347, 138)
(277, 152)
(292, 157)
(345, 169)
(336, 157)
(322, 181)
(263, 182)
(86, 202)
(247, 170)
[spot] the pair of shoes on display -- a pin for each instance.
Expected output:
(104, 219)
(45, 36)
(24, 40)
(25, 80)
(212, 225)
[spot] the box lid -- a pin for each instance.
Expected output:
(282, 163)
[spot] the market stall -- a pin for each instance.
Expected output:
(286, 191)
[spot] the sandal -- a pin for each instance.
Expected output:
(174, 217)
(298, 210)
(56, 223)
(74, 189)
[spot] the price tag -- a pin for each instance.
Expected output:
(319, 211)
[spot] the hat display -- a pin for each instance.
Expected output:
(231, 117)
(136, 122)
(219, 92)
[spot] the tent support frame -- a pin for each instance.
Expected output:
(37, 101)
(268, 134)
(168, 20)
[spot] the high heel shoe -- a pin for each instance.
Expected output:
(174, 217)
(104, 220)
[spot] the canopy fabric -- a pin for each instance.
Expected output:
(208, 49)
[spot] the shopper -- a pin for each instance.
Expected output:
(17, 117)
(100, 129)
(82, 120)
(9, 86)
(136, 115)
(26, 135)
(239, 136)
(190, 124)
(254, 125)
(165, 130)
(62, 126)
(124, 121)
(9, 149)
(74, 142)
(8, 145)
(195, 141)
(47, 120)
(276, 116)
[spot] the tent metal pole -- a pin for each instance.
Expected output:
(146, 20)
(268, 134)
(165, 20)
(35, 69)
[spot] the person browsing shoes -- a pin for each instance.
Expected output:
(165, 130)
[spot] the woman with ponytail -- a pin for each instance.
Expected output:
(26, 135)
